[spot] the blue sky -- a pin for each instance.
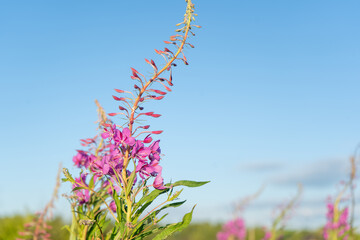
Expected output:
(271, 96)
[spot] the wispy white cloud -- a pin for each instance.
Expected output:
(319, 174)
(262, 166)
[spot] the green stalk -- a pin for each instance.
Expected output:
(73, 226)
(85, 232)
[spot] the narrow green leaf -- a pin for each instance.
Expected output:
(130, 183)
(119, 211)
(148, 199)
(170, 229)
(151, 217)
(159, 220)
(64, 180)
(67, 227)
(94, 228)
(176, 194)
(78, 188)
(145, 191)
(188, 183)
(147, 233)
(91, 183)
(174, 205)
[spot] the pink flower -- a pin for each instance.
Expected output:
(120, 138)
(340, 227)
(82, 159)
(112, 206)
(155, 151)
(110, 158)
(83, 195)
(159, 181)
(140, 152)
(234, 229)
(267, 235)
(101, 167)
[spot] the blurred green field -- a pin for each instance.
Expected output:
(11, 225)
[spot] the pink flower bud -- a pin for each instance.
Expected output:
(156, 132)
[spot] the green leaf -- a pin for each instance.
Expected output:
(91, 183)
(147, 233)
(156, 212)
(172, 228)
(68, 175)
(130, 183)
(146, 200)
(67, 227)
(174, 204)
(151, 217)
(188, 183)
(159, 220)
(145, 191)
(112, 235)
(78, 188)
(119, 211)
(94, 227)
(64, 180)
(176, 194)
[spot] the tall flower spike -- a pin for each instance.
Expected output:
(38, 228)
(142, 93)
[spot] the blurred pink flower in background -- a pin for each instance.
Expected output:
(234, 229)
(340, 225)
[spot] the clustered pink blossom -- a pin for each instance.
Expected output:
(110, 160)
(234, 229)
(37, 229)
(267, 235)
(82, 195)
(112, 206)
(341, 226)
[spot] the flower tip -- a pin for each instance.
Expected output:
(156, 132)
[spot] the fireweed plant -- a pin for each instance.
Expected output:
(235, 229)
(38, 228)
(283, 215)
(337, 225)
(120, 169)
(340, 218)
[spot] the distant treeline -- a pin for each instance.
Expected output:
(10, 226)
